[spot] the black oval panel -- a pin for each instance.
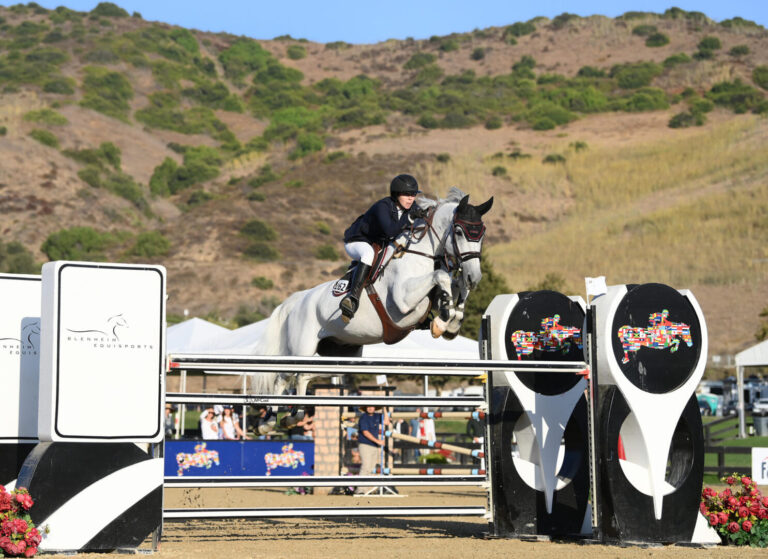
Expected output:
(656, 337)
(534, 333)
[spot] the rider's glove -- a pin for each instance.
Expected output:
(418, 213)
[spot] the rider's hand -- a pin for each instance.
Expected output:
(418, 213)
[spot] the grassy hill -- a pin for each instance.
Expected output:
(630, 147)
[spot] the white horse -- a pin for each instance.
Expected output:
(442, 252)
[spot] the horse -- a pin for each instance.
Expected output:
(109, 328)
(440, 252)
(661, 334)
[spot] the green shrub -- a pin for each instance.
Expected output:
(261, 282)
(552, 281)
(150, 244)
(306, 144)
(740, 22)
(562, 20)
(699, 105)
(243, 57)
(256, 196)
(548, 110)
(111, 154)
(518, 29)
(760, 76)
(327, 252)
(710, 43)
(644, 30)
(3, 130)
(162, 176)
(258, 230)
(185, 39)
(54, 36)
(322, 228)
(49, 117)
(449, 45)
(634, 75)
(45, 137)
(675, 59)
(59, 86)
(262, 252)
(337, 45)
(265, 175)
(456, 120)
(16, 259)
(590, 72)
(543, 123)
(198, 197)
(419, 60)
(428, 121)
(647, 99)
(493, 123)
(627, 16)
(657, 40)
(477, 53)
(124, 186)
(704, 54)
(257, 143)
(106, 92)
(443, 157)
(91, 176)
(295, 183)
(101, 56)
(686, 119)
(108, 9)
(578, 146)
(499, 171)
(296, 52)
(77, 243)
(739, 50)
(736, 95)
(335, 156)
(554, 158)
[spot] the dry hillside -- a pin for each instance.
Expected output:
(631, 147)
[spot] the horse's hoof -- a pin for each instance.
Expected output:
(436, 329)
(449, 335)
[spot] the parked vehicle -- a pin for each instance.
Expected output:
(760, 406)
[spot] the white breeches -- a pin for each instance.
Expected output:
(360, 251)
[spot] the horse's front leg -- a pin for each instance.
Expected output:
(454, 324)
(408, 294)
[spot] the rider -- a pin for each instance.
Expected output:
(380, 224)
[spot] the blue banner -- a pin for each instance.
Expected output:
(239, 458)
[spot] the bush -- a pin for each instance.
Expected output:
(456, 120)
(704, 54)
(443, 157)
(335, 156)
(552, 281)
(260, 282)
(493, 123)
(657, 40)
(590, 72)
(449, 45)
(108, 9)
(337, 45)
(16, 259)
(198, 197)
(91, 176)
(256, 197)
(3, 130)
(45, 137)
(477, 54)
(49, 117)
(562, 20)
(710, 43)
(736, 95)
(499, 171)
(306, 144)
(578, 146)
(258, 230)
(111, 154)
(729, 514)
(419, 60)
(739, 50)
(739, 22)
(553, 158)
(59, 86)
(760, 76)
(296, 52)
(162, 176)
(550, 111)
(544, 123)
(322, 228)
(519, 29)
(675, 59)
(294, 183)
(262, 251)
(106, 92)
(644, 30)
(634, 75)
(124, 186)
(686, 119)
(699, 105)
(150, 244)
(243, 57)
(327, 252)
(647, 99)
(77, 243)
(428, 121)
(265, 175)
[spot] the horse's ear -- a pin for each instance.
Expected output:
(463, 203)
(485, 206)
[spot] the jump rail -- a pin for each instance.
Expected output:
(437, 444)
(452, 478)
(188, 514)
(343, 401)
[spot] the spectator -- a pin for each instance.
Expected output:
(370, 439)
(228, 428)
(209, 428)
(304, 429)
(169, 425)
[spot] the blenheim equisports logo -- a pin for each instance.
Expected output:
(553, 336)
(106, 335)
(661, 334)
(27, 344)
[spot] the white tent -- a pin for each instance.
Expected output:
(755, 356)
(192, 336)
(241, 341)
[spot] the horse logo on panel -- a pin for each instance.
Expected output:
(201, 458)
(552, 336)
(661, 334)
(109, 328)
(289, 458)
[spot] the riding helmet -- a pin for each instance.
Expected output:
(403, 184)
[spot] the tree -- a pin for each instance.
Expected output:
(16, 259)
(491, 285)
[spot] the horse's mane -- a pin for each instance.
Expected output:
(454, 196)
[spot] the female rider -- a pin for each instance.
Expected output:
(380, 224)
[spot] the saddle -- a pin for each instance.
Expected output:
(382, 255)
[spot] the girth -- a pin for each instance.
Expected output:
(392, 333)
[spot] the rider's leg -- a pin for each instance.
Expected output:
(364, 253)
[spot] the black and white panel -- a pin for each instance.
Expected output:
(93, 496)
(19, 365)
(102, 356)
(651, 350)
(539, 428)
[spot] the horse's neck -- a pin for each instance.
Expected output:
(436, 236)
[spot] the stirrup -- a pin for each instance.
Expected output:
(348, 308)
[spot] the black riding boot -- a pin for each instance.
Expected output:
(351, 300)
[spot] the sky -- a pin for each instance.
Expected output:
(372, 21)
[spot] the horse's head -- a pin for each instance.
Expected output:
(467, 236)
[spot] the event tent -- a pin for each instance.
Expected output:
(192, 336)
(755, 356)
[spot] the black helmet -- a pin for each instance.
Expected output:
(403, 184)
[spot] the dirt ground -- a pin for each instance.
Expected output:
(390, 538)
